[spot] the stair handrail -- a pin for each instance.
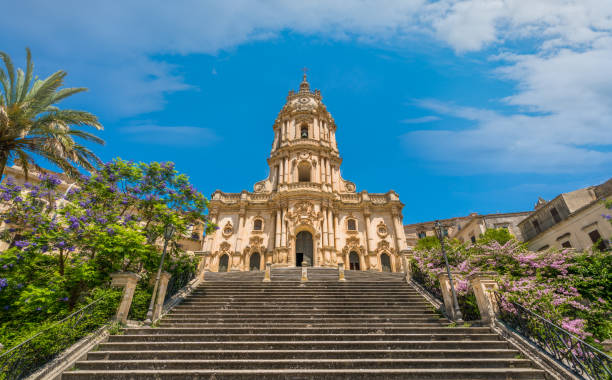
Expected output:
(567, 349)
(17, 362)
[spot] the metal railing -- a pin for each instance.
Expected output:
(178, 282)
(30, 355)
(422, 279)
(576, 355)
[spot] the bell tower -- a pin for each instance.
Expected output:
(304, 149)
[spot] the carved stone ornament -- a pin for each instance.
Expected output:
(255, 245)
(349, 186)
(384, 246)
(303, 213)
(260, 186)
(224, 247)
(228, 230)
(381, 229)
(352, 244)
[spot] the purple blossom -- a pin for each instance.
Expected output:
(22, 243)
(110, 231)
(3, 283)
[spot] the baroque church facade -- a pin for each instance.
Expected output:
(305, 213)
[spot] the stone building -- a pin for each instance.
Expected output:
(305, 213)
(467, 228)
(570, 220)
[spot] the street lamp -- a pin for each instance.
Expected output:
(168, 232)
(456, 309)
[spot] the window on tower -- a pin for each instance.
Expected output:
(304, 132)
(304, 172)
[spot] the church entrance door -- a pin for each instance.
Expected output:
(223, 263)
(254, 261)
(303, 249)
(353, 261)
(385, 262)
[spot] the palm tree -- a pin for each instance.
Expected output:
(32, 124)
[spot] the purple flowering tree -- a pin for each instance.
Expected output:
(65, 243)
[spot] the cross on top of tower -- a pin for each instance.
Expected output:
(304, 86)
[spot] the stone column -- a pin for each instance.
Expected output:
(284, 228)
(327, 171)
(406, 260)
(368, 234)
(267, 273)
(128, 281)
(337, 232)
(401, 244)
(203, 257)
(324, 227)
(161, 294)
(341, 272)
(286, 161)
(278, 229)
(447, 295)
(237, 246)
(304, 274)
(483, 286)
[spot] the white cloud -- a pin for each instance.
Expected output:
(420, 120)
(181, 136)
(558, 52)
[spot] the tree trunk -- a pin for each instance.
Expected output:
(3, 160)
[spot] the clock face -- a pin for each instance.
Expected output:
(303, 100)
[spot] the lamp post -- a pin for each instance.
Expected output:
(456, 309)
(168, 232)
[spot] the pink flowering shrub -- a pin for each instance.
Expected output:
(573, 290)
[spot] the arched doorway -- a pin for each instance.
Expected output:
(254, 261)
(223, 263)
(385, 262)
(303, 249)
(353, 261)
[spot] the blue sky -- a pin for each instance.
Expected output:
(459, 106)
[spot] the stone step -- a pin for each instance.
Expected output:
(233, 364)
(313, 374)
(391, 329)
(309, 345)
(305, 354)
(314, 313)
(273, 310)
(308, 324)
(265, 338)
(355, 319)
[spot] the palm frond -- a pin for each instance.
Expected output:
(10, 70)
(6, 87)
(86, 136)
(16, 90)
(66, 92)
(28, 75)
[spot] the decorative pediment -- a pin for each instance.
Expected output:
(384, 246)
(225, 247)
(303, 213)
(352, 244)
(255, 245)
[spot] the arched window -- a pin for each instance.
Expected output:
(351, 225)
(304, 172)
(258, 225)
(304, 132)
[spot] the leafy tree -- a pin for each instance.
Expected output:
(500, 235)
(31, 122)
(65, 245)
(428, 242)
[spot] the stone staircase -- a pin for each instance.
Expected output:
(373, 326)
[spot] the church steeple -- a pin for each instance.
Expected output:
(304, 149)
